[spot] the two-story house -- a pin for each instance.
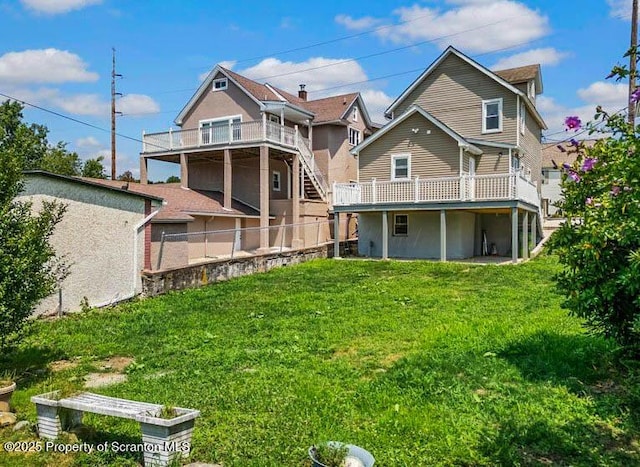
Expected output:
(456, 172)
(264, 157)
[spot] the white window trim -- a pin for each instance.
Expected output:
(394, 158)
(359, 136)
(532, 89)
(355, 113)
(276, 176)
(220, 119)
(523, 117)
(485, 103)
(219, 80)
(274, 118)
(395, 223)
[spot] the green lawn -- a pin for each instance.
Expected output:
(420, 363)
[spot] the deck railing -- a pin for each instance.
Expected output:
(462, 188)
(232, 133)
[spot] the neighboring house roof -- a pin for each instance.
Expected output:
(335, 108)
(522, 74)
(182, 203)
(452, 51)
(567, 155)
(94, 183)
(463, 143)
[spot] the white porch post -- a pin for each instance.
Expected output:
(385, 235)
(443, 235)
(525, 235)
(310, 135)
(514, 235)
(336, 234)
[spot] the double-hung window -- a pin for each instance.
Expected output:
(400, 225)
(276, 182)
(401, 167)
(492, 116)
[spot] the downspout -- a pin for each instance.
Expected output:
(136, 272)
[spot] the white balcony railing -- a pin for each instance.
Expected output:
(463, 188)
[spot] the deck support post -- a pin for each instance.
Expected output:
(534, 230)
(336, 234)
(228, 179)
(184, 171)
(143, 170)
(296, 241)
(514, 235)
(264, 199)
(525, 235)
(443, 235)
(385, 234)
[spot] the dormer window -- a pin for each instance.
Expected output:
(220, 84)
(492, 116)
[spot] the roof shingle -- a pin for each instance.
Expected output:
(519, 74)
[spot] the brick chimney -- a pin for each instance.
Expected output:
(302, 94)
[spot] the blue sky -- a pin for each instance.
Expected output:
(57, 54)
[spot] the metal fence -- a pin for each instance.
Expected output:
(182, 249)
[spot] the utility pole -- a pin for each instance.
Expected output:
(632, 61)
(114, 75)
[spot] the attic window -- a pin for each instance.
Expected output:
(355, 113)
(532, 89)
(219, 84)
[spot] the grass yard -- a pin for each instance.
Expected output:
(420, 363)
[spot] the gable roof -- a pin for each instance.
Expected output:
(453, 51)
(463, 143)
(336, 108)
(522, 74)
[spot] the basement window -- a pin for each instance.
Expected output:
(220, 84)
(400, 225)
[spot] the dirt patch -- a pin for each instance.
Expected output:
(62, 365)
(389, 360)
(116, 364)
(98, 380)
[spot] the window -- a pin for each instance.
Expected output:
(276, 180)
(515, 164)
(492, 116)
(401, 167)
(354, 137)
(355, 113)
(400, 225)
(545, 176)
(274, 118)
(216, 131)
(219, 84)
(523, 117)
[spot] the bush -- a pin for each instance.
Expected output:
(599, 245)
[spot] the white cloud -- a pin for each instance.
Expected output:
(547, 56)
(88, 143)
(44, 66)
(317, 73)
(366, 22)
(471, 25)
(620, 9)
(137, 104)
(228, 64)
(82, 104)
(612, 98)
(54, 7)
(376, 102)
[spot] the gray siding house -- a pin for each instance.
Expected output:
(456, 171)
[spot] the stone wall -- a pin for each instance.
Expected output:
(197, 275)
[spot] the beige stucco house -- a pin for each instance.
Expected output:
(455, 173)
(268, 157)
(104, 239)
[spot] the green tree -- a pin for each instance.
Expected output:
(127, 176)
(93, 168)
(28, 270)
(173, 179)
(60, 161)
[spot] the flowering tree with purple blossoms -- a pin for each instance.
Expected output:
(599, 245)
